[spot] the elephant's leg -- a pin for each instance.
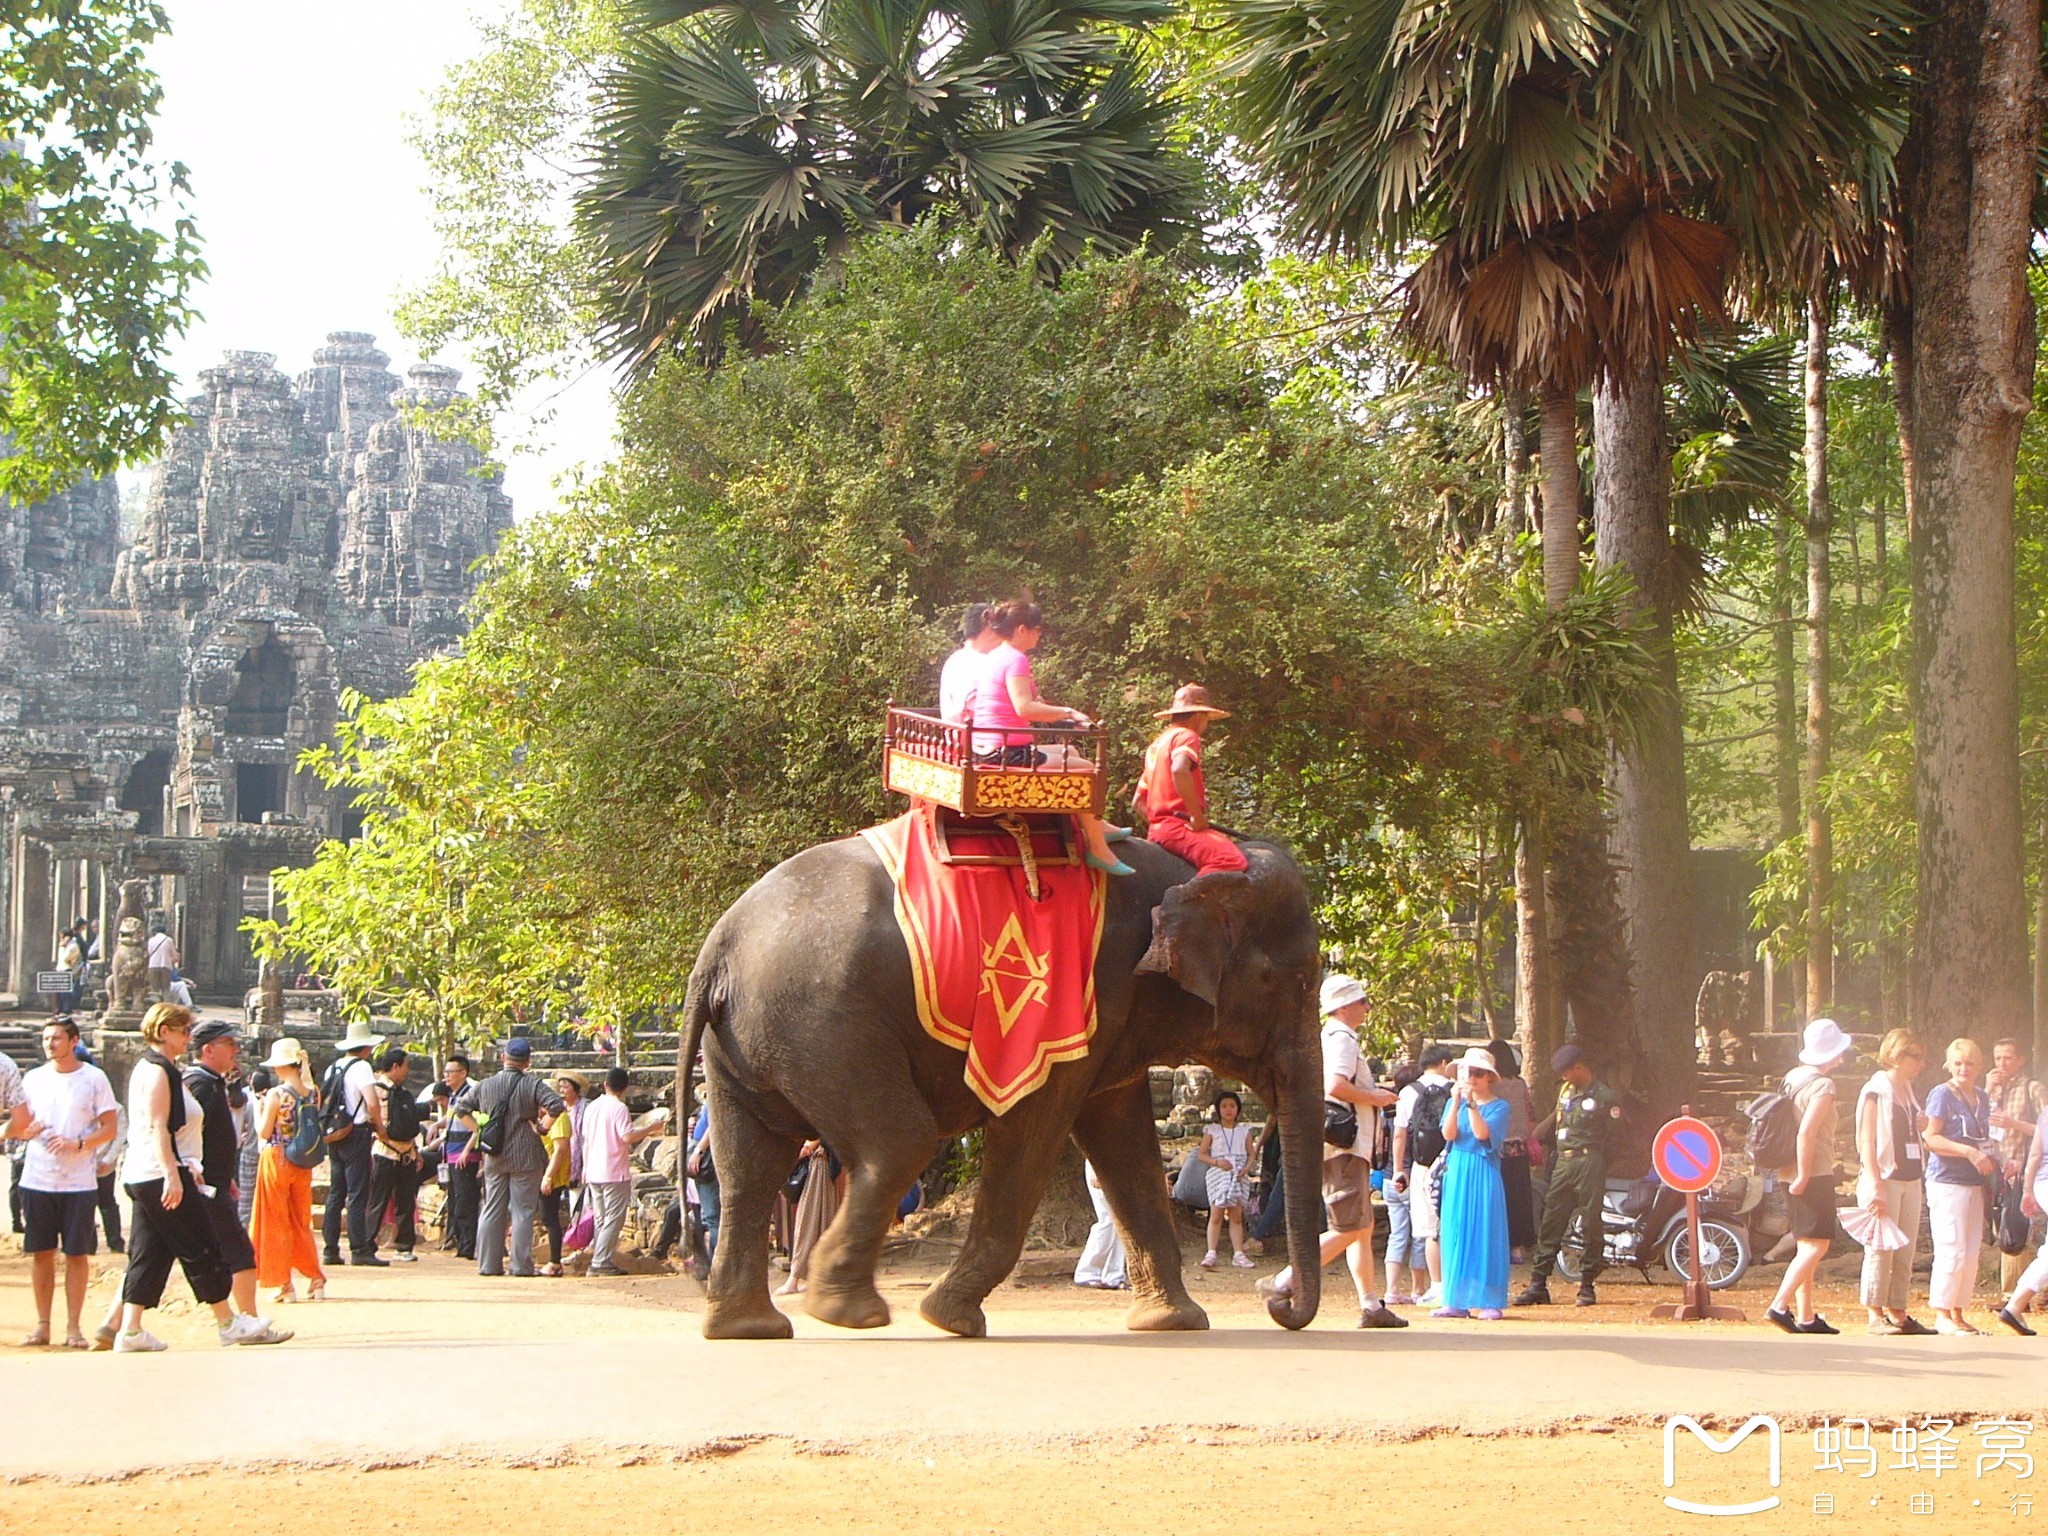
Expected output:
(1115, 1131)
(841, 1287)
(753, 1164)
(1018, 1153)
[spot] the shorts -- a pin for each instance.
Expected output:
(1813, 1213)
(1012, 757)
(67, 1220)
(1347, 1191)
(237, 1253)
(1423, 1220)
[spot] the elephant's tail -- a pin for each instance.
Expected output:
(699, 1002)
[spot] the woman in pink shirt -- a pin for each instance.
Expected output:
(1005, 707)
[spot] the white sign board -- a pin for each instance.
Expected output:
(53, 982)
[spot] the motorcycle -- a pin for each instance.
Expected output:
(1643, 1223)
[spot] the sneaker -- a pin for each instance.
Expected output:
(1882, 1328)
(609, 1270)
(1377, 1316)
(1534, 1294)
(1818, 1324)
(250, 1329)
(1778, 1317)
(2007, 1317)
(1269, 1286)
(1912, 1327)
(1432, 1297)
(140, 1342)
(1209, 1259)
(1400, 1299)
(405, 1256)
(1240, 1261)
(103, 1337)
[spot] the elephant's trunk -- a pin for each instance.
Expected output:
(1300, 1107)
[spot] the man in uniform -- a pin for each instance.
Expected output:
(1587, 1115)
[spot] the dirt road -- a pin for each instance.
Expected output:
(536, 1398)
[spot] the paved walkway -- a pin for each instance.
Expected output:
(677, 1391)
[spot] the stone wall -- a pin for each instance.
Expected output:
(298, 538)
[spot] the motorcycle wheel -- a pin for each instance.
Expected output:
(1568, 1266)
(1725, 1246)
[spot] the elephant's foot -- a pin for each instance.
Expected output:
(736, 1322)
(1159, 1314)
(953, 1313)
(854, 1307)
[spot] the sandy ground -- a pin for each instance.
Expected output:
(574, 1405)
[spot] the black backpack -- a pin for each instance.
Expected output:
(401, 1115)
(337, 1120)
(494, 1132)
(1426, 1124)
(1773, 1131)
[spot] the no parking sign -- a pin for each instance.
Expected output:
(1687, 1155)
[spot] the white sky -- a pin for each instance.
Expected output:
(291, 117)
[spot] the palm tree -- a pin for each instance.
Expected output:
(1587, 175)
(739, 145)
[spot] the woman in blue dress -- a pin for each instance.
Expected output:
(1475, 1207)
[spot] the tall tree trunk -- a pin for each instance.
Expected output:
(1514, 453)
(2041, 942)
(1537, 1031)
(1820, 845)
(1976, 128)
(1652, 836)
(1558, 438)
(1785, 748)
(1589, 944)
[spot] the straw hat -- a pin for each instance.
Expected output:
(1192, 699)
(358, 1036)
(287, 1052)
(1477, 1059)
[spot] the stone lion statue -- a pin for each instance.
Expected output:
(128, 976)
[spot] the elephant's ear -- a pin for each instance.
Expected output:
(1192, 933)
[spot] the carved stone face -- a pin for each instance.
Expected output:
(131, 930)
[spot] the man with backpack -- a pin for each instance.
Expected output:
(353, 1116)
(1587, 1116)
(395, 1157)
(216, 1050)
(508, 1105)
(1418, 1147)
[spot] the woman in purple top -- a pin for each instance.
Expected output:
(1006, 706)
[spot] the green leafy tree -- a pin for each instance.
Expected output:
(91, 293)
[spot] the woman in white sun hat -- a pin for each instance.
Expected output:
(1475, 1203)
(1810, 1180)
(281, 1221)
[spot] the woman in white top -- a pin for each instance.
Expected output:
(1891, 1165)
(171, 1223)
(1226, 1150)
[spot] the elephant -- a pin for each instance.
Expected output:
(803, 999)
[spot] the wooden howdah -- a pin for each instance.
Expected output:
(931, 759)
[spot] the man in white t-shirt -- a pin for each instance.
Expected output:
(956, 677)
(161, 958)
(1347, 1171)
(72, 1114)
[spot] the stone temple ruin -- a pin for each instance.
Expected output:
(298, 538)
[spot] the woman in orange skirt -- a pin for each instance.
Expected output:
(281, 1224)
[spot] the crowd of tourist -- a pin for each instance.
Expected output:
(219, 1175)
(1455, 1163)
(218, 1170)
